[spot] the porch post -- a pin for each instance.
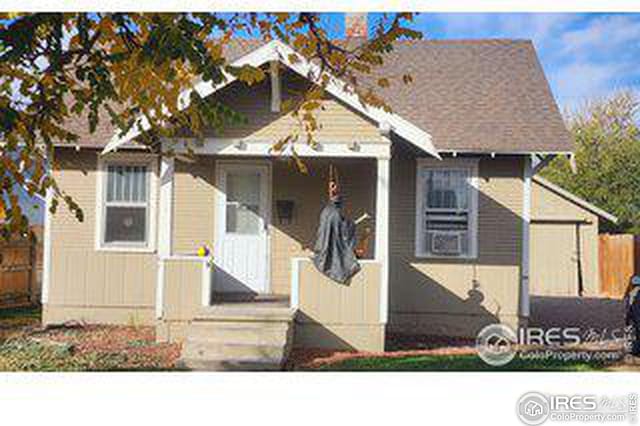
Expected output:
(165, 225)
(46, 255)
(382, 234)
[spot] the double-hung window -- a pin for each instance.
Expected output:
(127, 204)
(446, 208)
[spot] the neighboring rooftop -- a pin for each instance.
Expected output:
(469, 95)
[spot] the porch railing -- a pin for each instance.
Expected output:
(187, 284)
(334, 312)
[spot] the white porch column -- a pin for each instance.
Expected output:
(165, 226)
(46, 256)
(382, 234)
(524, 306)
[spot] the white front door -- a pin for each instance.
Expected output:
(242, 216)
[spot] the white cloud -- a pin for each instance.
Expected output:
(540, 27)
(580, 81)
(602, 33)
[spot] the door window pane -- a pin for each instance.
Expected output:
(243, 203)
(243, 187)
(243, 219)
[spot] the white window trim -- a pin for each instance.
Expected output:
(151, 162)
(470, 164)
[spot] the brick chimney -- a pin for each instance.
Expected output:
(355, 25)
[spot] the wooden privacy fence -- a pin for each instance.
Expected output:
(17, 272)
(619, 258)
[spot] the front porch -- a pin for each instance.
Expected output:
(323, 314)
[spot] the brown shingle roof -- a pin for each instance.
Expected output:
(470, 95)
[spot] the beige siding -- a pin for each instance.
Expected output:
(182, 289)
(457, 297)
(182, 297)
(193, 204)
(557, 224)
(94, 286)
(339, 316)
(337, 122)
(547, 205)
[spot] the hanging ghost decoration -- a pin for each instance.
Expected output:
(334, 249)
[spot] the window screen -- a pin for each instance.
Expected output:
(445, 214)
(126, 204)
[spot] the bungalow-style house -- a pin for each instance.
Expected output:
(446, 179)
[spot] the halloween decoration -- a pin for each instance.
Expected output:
(336, 238)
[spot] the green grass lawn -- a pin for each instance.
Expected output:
(454, 363)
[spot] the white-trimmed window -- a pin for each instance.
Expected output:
(126, 202)
(446, 208)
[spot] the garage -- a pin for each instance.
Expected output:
(564, 242)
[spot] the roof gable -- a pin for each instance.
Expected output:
(574, 199)
(276, 50)
(337, 122)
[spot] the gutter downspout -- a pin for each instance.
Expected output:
(524, 305)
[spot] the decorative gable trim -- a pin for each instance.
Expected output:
(278, 51)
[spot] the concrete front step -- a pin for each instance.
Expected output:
(239, 336)
(223, 364)
(258, 333)
(239, 297)
(245, 312)
(197, 349)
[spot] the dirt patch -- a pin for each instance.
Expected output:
(26, 346)
(135, 345)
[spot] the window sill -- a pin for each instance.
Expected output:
(434, 257)
(125, 249)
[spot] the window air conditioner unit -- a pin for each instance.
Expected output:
(446, 242)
